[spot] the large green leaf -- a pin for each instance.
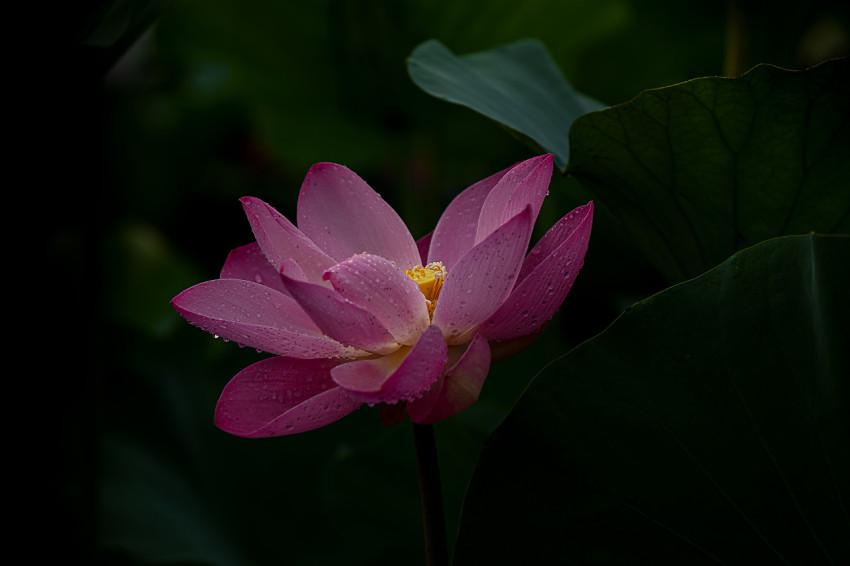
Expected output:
(517, 85)
(708, 424)
(702, 169)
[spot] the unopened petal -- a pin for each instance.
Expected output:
(482, 279)
(458, 389)
(279, 240)
(340, 319)
(539, 295)
(375, 284)
(280, 396)
(252, 314)
(402, 376)
(344, 216)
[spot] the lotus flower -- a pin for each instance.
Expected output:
(355, 311)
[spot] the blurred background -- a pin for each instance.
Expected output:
(165, 113)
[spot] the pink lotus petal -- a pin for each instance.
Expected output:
(279, 240)
(279, 396)
(252, 314)
(375, 284)
(292, 270)
(525, 184)
(248, 263)
(402, 376)
(333, 290)
(482, 279)
(458, 389)
(341, 319)
(344, 216)
(556, 235)
(456, 229)
(536, 298)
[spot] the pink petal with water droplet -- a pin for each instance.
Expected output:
(280, 396)
(581, 217)
(252, 314)
(402, 376)
(458, 389)
(482, 279)
(340, 319)
(248, 263)
(456, 229)
(375, 284)
(538, 296)
(279, 240)
(344, 216)
(525, 184)
(292, 270)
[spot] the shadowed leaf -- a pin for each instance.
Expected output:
(517, 85)
(700, 170)
(706, 425)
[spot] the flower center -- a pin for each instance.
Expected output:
(430, 280)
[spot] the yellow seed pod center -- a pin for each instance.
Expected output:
(430, 280)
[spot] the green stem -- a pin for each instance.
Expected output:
(436, 553)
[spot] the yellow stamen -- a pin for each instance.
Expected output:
(430, 280)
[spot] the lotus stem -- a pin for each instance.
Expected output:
(734, 63)
(433, 519)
